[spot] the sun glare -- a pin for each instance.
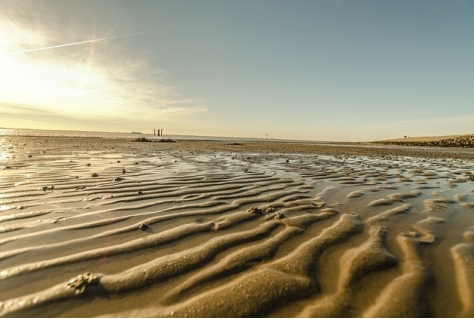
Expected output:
(58, 84)
(3, 156)
(47, 74)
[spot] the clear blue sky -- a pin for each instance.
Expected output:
(341, 70)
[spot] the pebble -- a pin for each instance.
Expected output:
(269, 209)
(254, 210)
(279, 216)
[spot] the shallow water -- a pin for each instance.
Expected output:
(127, 135)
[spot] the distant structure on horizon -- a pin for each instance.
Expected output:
(157, 132)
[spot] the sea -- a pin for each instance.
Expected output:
(128, 135)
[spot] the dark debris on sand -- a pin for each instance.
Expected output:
(163, 140)
(142, 139)
(166, 140)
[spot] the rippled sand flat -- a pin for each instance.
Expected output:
(103, 227)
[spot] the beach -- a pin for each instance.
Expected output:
(201, 228)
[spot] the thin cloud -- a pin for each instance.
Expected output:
(82, 42)
(15, 108)
(71, 83)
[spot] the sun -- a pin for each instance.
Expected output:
(55, 83)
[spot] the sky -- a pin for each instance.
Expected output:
(327, 70)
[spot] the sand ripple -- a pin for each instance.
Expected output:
(170, 232)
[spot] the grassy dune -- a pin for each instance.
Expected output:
(441, 141)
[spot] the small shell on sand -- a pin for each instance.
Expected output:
(269, 209)
(255, 210)
(80, 283)
(143, 227)
(279, 216)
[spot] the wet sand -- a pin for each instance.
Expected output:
(106, 227)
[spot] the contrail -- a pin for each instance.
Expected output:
(83, 42)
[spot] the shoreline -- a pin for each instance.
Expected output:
(328, 148)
